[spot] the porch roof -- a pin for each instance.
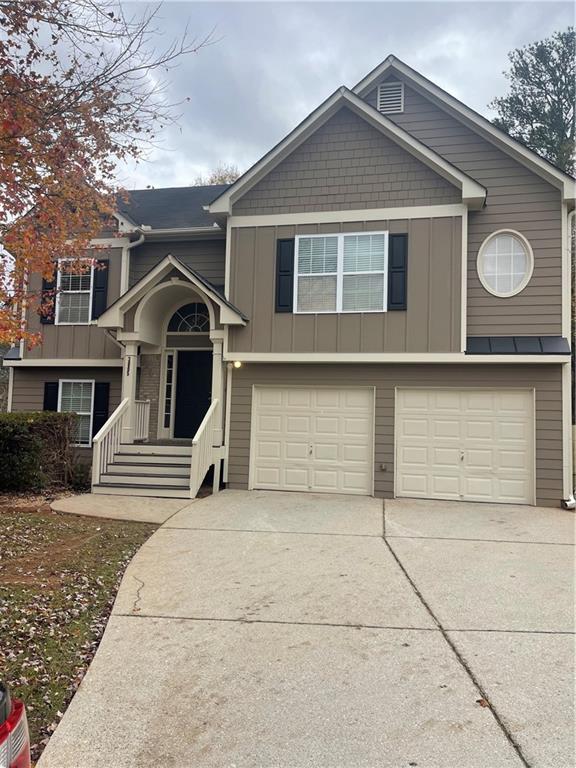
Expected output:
(113, 317)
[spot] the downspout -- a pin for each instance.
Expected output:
(125, 276)
(570, 502)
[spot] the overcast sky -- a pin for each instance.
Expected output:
(273, 63)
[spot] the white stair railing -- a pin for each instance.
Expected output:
(141, 419)
(107, 441)
(204, 452)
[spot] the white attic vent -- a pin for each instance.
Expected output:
(391, 98)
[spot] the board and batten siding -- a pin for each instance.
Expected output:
(346, 164)
(545, 379)
(84, 341)
(204, 256)
(431, 322)
(517, 199)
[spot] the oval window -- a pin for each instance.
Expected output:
(505, 263)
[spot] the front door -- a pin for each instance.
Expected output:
(193, 391)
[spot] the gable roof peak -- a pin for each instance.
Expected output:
(471, 118)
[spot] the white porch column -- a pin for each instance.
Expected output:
(129, 374)
(217, 339)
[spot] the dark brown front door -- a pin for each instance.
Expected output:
(193, 391)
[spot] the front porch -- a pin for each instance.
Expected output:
(168, 430)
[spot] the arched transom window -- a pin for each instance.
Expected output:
(191, 318)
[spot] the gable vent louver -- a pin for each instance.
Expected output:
(391, 98)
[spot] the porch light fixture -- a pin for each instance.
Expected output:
(237, 364)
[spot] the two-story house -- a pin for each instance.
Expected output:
(379, 306)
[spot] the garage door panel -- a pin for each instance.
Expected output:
(268, 449)
(325, 452)
(446, 486)
(293, 450)
(479, 430)
(326, 425)
(472, 444)
(269, 423)
(412, 427)
(443, 428)
(325, 436)
(297, 398)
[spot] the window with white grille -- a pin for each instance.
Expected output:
(341, 273)
(390, 98)
(78, 397)
(74, 298)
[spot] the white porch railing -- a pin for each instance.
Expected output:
(141, 419)
(204, 452)
(107, 441)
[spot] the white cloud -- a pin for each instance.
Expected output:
(275, 62)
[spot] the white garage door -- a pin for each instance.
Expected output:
(312, 439)
(475, 445)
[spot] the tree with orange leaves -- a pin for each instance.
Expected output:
(79, 92)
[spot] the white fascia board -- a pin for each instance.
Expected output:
(386, 357)
(213, 230)
(223, 204)
(64, 362)
(472, 192)
(110, 242)
(336, 217)
(114, 315)
(125, 224)
(537, 164)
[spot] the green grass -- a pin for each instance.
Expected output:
(59, 575)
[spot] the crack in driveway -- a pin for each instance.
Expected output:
(484, 697)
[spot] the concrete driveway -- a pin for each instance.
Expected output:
(297, 631)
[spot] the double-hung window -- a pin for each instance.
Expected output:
(74, 296)
(341, 273)
(78, 397)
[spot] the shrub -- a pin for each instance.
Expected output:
(35, 450)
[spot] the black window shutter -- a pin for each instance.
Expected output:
(397, 271)
(100, 288)
(48, 301)
(284, 275)
(50, 396)
(101, 398)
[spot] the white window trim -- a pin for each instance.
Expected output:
(529, 270)
(339, 275)
(79, 381)
(57, 321)
(381, 86)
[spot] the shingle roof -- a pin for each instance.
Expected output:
(171, 207)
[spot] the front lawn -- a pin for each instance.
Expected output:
(58, 579)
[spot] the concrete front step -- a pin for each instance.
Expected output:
(163, 469)
(180, 481)
(153, 491)
(144, 449)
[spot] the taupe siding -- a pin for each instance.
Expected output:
(84, 341)
(28, 394)
(431, 322)
(346, 164)
(517, 199)
(205, 256)
(545, 379)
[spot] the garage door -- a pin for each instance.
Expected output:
(475, 445)
(312, 439)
